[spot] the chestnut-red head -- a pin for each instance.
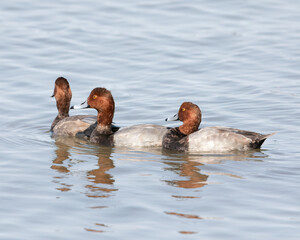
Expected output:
(101, 100)
(190, 114)
(63, 95)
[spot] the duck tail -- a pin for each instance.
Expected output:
(260, 140)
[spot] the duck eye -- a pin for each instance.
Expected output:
(183, 109)
(95, 96)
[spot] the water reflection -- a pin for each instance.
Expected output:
(62, 154)
(93, 164)
(95, 230)
(189, 165)
(100, 181)
(185, 168)
(69, 154)
(190, 216)
(190, 176)
(100, 176)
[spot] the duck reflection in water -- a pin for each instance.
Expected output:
(180, 164)
(189, 166)
(98, 178)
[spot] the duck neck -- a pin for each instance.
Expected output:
(104, 121)
(63, 106)
(189, 127)
(105, 116)
(63, 112)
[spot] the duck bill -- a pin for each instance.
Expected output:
(54, 91)
(81, 106)
(174, 118)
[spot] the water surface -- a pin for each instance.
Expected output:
(239, 61)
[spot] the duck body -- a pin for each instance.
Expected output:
(71, 126)
(224, 139)
(187, 137)
(143, 135)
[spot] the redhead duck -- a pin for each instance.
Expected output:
(63, 124)
(144, 135)
(187, 137)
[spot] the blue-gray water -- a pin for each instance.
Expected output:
(238, 60)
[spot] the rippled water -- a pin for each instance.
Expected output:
(238, 60)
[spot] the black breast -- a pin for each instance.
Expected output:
(102, 139)
(175, 140)
(88, 132)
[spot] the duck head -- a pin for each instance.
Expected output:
(63, 95)
(101, 100)
(190, 114)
